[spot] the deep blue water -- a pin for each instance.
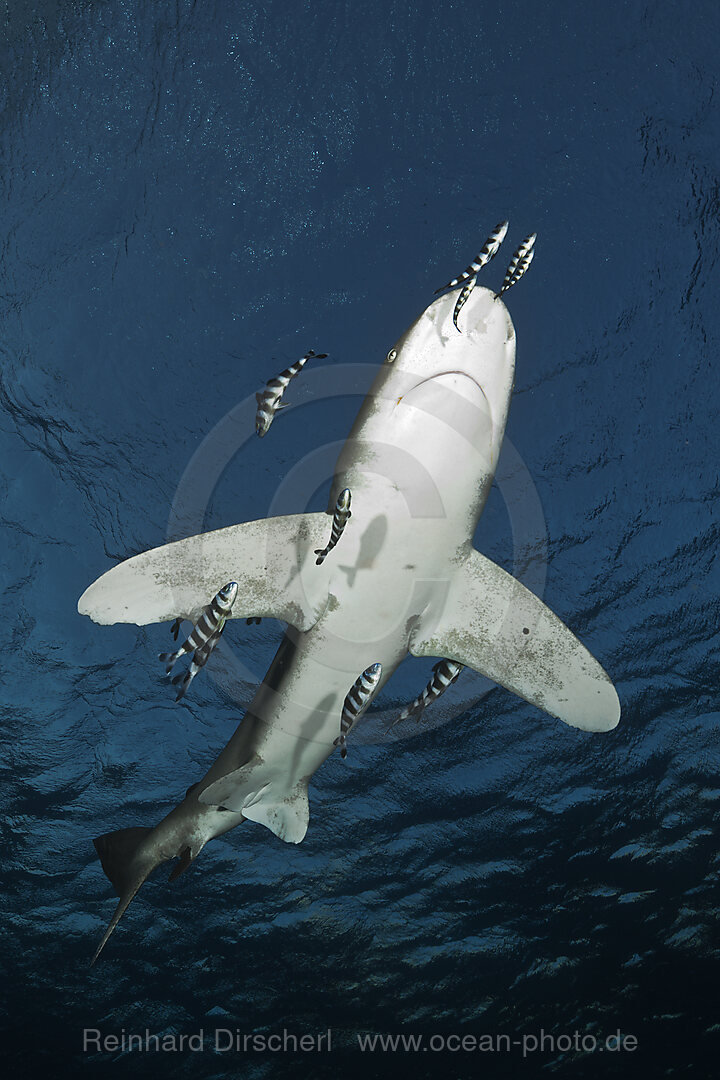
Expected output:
(194, 193)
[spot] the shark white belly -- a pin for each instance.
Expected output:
(402, 579)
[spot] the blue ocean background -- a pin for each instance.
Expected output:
(193, 193)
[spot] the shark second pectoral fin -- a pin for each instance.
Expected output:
(266, 558)
(492, 623)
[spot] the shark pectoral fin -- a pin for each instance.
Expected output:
(285, 814)
(266, 558)
(492, 623)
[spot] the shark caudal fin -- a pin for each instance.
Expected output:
(121, 857)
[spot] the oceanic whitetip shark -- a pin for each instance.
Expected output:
(403, 579)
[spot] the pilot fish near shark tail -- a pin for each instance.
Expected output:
(269, 399)
(359, 697)
(444, 675)
(210, 622)
(487, 252)
(341, 516)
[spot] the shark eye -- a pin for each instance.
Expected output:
(391, 356)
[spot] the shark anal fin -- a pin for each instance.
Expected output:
(181, 865)
(492, 623)
(266, 558)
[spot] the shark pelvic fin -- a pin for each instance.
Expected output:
(285, 813)
(288, 818)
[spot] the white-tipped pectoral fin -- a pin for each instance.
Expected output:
(492, 623)
(272, 561)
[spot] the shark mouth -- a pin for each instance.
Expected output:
(454, 397)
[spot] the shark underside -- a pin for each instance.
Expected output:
(403, 579)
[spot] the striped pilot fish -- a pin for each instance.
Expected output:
(444, 674)
(199, 659)
(361, 694)
(341, 516)
(269, 399)
(487, 252)
(461, 300)
(518, 264)
(206, 631)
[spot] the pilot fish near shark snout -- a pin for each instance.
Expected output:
(518, 264)
(487, 252)
(470, 275)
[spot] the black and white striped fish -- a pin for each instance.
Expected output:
(462, 299)
(360, 695)
(487, 252)
(269, 399)
(444, 674)
(210, 623)
(199, 659)
(518, 264)
(341, 516)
